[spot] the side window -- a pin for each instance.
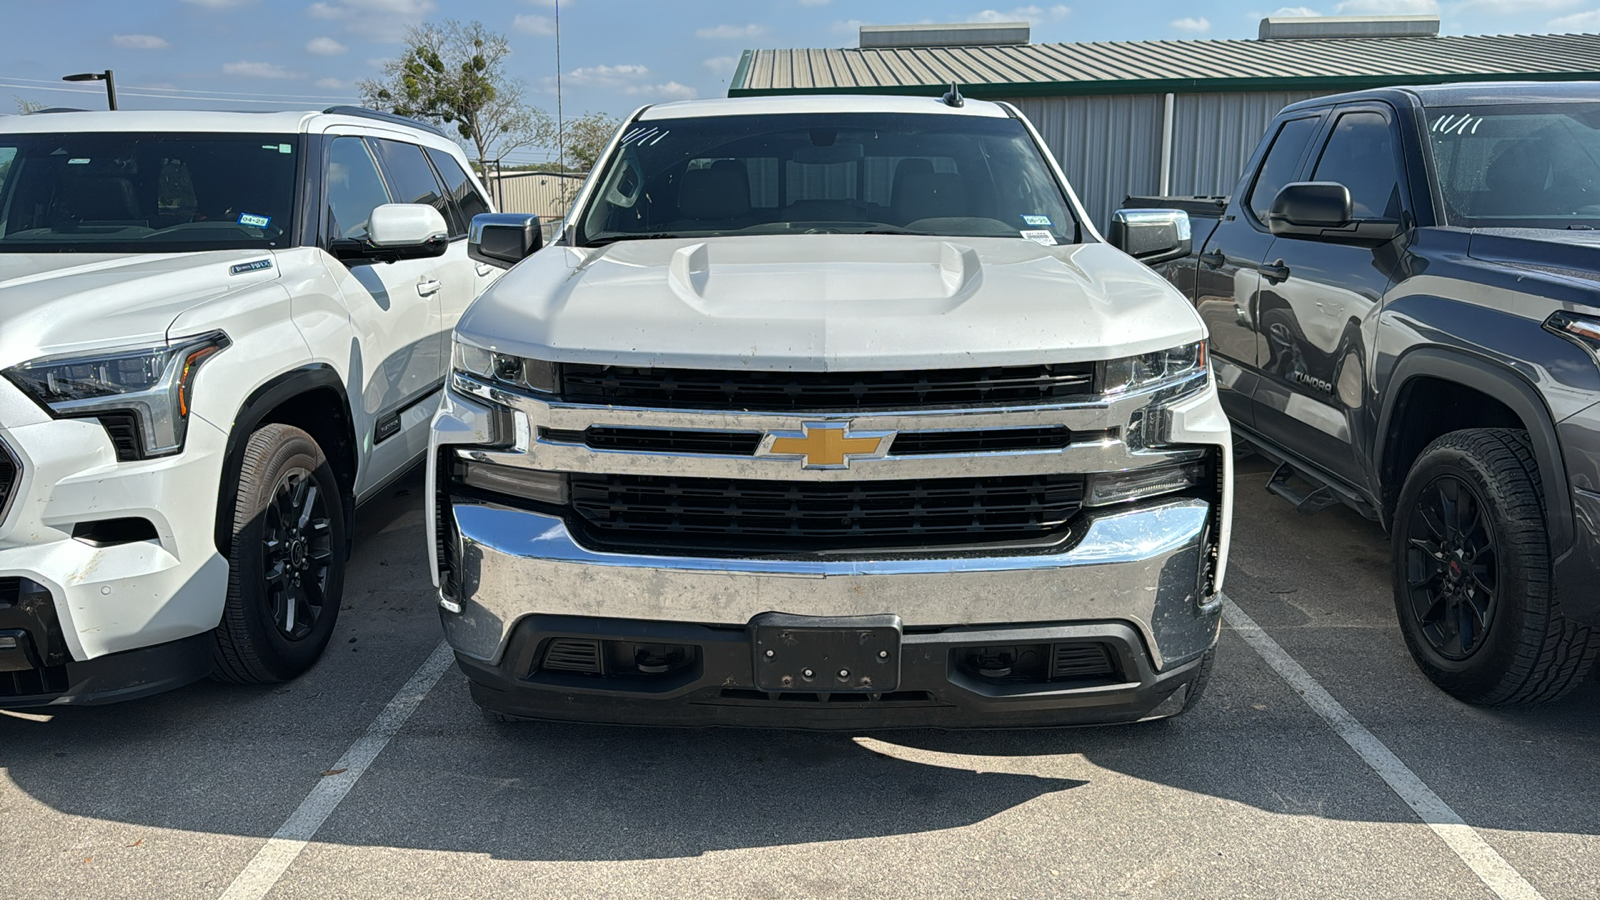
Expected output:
(354, 188)
(1360, 155)
(413, 181)
(462, 193)
(1279, 167)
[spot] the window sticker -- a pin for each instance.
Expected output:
(1039, 237)
(254, 221)
(80, 161)
(1037, 221)
(1461, 124)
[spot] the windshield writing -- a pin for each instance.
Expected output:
(137, 193)
(850, 173)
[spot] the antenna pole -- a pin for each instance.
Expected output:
(561, 128)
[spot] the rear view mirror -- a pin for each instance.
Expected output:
(504, 239)
(1151, 235)
(397, 231)
(1321, 210)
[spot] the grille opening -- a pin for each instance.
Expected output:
(35, 662)
(722, 516)
(34, 682)
(8, 477)
(995, 440)
(1038, 663)
(123, 430)
(616, 659)
(824, 391)
(673, 440)
(445, 543)
(111, 532)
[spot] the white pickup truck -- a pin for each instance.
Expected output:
(219, 334)
(832, 412)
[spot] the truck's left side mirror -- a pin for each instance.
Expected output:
(1323, 211)
(504, 239)
(1151, 235)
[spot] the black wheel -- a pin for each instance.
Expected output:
(286, 572)
(1472, 573)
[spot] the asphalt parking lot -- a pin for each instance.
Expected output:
(1252, 795)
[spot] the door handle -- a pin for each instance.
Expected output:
(1276, 272)
(1213, 259)
(485, 269)
(429, 286)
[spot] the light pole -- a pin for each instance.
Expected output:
(111, 86)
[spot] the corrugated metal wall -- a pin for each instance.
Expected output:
(1110, 146)
(541, 193)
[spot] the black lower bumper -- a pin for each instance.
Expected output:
(665, 673)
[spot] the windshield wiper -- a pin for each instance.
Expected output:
(640, 236)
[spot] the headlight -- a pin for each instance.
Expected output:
(511, 371)
(152, 385)
(1152, 370)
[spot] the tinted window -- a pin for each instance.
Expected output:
(1523, 165)
(462, 193)
(841, 173)
(1361, 156)
(354, 188)
(412, 179)
(134, 193)
(1279, 167)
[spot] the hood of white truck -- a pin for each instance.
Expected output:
(830, 302)
(52, 303)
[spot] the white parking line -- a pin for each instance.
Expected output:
(1489, 866)
(275, 857)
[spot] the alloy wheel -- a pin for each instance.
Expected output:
(296, 553)
(1451, 567)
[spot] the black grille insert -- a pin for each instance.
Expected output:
(824, 391)
(719, 516)
(996, 440)
(573, 655)
(1080, 661)
(8, 477)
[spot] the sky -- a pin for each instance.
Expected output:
(615, 55)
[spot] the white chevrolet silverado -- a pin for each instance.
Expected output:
(831, 412)
(219, 333)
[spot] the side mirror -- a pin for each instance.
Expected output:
(1321, 211)
(1151, 235)
(397, 231)
(504, 239)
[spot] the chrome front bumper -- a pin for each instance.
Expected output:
(1135, 565)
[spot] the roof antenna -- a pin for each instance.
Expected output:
(953, 96)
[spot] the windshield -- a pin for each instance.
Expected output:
(836, 173)
(143, 193)
(1518, 166)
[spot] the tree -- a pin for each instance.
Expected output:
(453, 74)
(25, 106)
(585, 138)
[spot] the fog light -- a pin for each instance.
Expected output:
(1107, 488)
(529, 484)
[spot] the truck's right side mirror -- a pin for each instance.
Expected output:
(503, 239)
(1151, 235)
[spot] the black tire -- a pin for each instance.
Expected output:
(1472, 586)
(288, 552)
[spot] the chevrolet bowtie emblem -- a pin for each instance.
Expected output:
(825, 445)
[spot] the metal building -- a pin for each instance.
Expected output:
(1162, 117)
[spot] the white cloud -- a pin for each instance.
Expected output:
(1388, 8)
(260, 70)
(672, 90)
(1192, 25)
(330, 84)
(1584, 21)
(722, 65)
(1504, 7)
(732, 32)
(1288, 12)
(379, 20)
(139, 42)
(630, 79)
(529, 24)
(1034, 15)
(849, 26)
(325, 46)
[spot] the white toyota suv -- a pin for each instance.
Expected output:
(219, 334)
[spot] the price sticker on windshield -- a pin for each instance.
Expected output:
(254, 221)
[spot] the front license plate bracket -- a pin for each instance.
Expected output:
(826, 654)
